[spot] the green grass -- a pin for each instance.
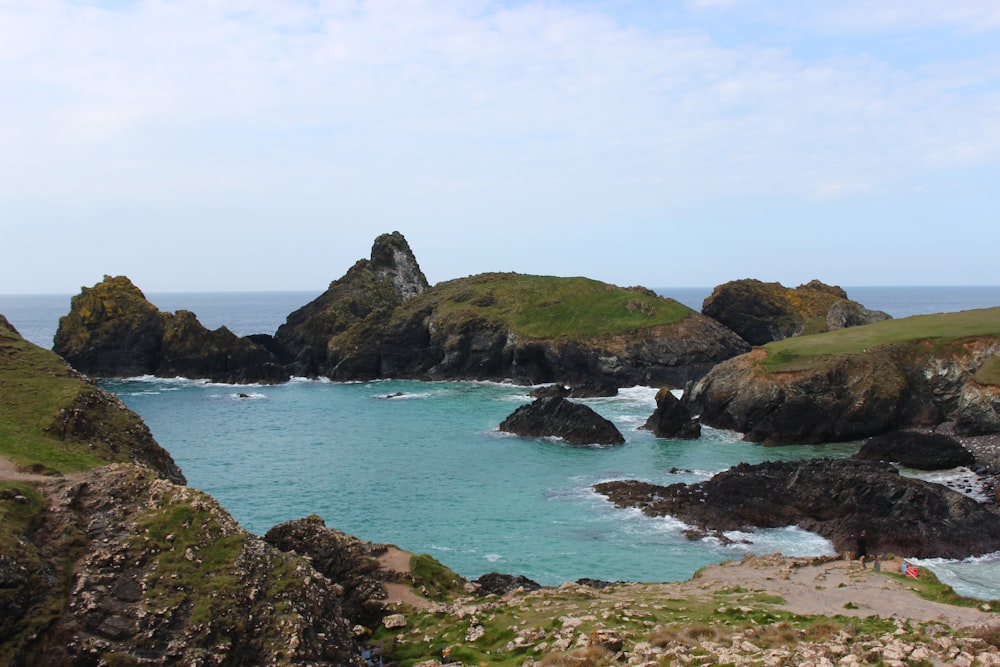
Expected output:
(438, 580)
(791, 353)
(36, 385)
(548, 307)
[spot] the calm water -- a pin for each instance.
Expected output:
(428, 471)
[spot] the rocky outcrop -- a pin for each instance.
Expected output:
(834, 498)
(112, 330)
(761, 312)
(372, 288)
(342, 558)
(496, 583)
(850, 396)
(672, 419)
(122, 567)
(556, 417)
(501, 327)
(921, 451)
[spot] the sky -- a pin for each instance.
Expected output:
(236, 145)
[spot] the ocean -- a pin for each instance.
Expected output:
(422, 465)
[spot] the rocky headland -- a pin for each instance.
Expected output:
(917, 372)
(762, 312)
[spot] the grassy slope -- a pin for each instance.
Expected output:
(549, 307)
(792, 353)
(35, 385)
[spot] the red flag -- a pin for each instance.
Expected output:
(911, 571)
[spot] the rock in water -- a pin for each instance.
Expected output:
(836, 498)
(672, 419)
(923, 451)
(554, 416)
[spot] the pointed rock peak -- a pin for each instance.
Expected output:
(392, 259)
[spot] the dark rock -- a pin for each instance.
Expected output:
(372, 288)
(495, 583)
(836, 498)
(922, 451)
(575, 423)
(762, 312)
(342, 558)
(550, 390)
(113, 331)
(672, 419)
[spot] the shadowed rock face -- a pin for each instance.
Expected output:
(556, 417)
(834, 498)
(851, 396)
(922, 451)
(762, 312)
(371, 288)
(113, 331)
(672, 419)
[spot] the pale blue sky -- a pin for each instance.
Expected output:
(263, 144)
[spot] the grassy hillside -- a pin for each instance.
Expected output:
(549, 307)
(42, 403)
(792, 353)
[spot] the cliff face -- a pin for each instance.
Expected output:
(854, 394)
(372, 288)
(762, 312)
(112, 330)
(121, 566)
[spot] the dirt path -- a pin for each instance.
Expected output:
(836, 587)
(10, 473)
(397, 560)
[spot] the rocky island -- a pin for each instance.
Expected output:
(382, 320)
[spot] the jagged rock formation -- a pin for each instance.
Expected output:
(672, 419)
(554, 416)
(850, 395)
(372, 288)
(112, 330)
(761, 312)
(497, 583)
(834, 498)
(921, 451)
(123, 567)
(342, 558)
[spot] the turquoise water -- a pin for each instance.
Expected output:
(429, 471)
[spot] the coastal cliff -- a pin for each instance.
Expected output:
(921, 371)
(107, 558)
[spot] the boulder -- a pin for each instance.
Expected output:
(672, 419)
(554, 416)
(922, 451)
(836, 498)
(495, 583)
(761, 312)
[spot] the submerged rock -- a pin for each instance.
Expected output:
(836, 498)
(554, 416)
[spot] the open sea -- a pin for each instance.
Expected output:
(428, 471)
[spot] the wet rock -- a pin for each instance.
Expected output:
(575, 423)
(922, 451)
(672, 419)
